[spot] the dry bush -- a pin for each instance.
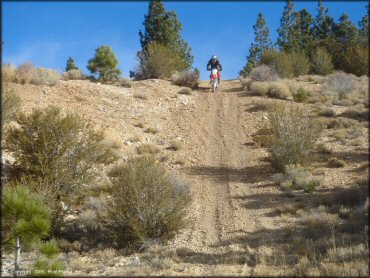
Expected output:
(151, 130)
(123, 82)
(135, 138)
(299, 178)
(321, 61)
(301, 95)
(148, 206)
(339, 84)
(245, 82)
(141, 95)
(340, 123)
(325, 111)
(279, 90)
(357, 112)
(187, 78)
(346, 134)
(87, 219)
(279, 61)
(185, 91)
(41, 76)
(8, 73)
(74, 74)
(260, 88)
(148, 149)
(10, 104)
(290, 135)
(107, 255)
(139, 125)
(263, 73)
(180, 162)
(24, 73)
(318, 220)
(262, 104)
(176, 145)
(336, 162)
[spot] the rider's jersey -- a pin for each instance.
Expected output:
(214, 64)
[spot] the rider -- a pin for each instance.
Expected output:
(214, 63)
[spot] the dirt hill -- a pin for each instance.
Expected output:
(236, 228)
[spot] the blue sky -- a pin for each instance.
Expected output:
(47, 33)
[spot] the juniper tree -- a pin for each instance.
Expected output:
(71, 64)
(164, 28)
(25, 219)
(105, 64)
(261, 43)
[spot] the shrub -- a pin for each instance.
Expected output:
(279, 61)
(325, 111)
(301, 95)
(176, 145)
(340, 122)
(321, 61)
(260, 88)
(141, 95)
(8, 73)
(300, 178)
(123, 82)
(290, 136)
(147, 149)
(263, 73)
(318, 220)
(356, 60)
(105, 64)
(71, 65)
(336, 162)
(279, 89)
(148, 206)
(357, 112)
(74, 74)
(41, 76)
(300, 63)
(339, 83)
(188, 78)
(185, 91)
(63, 150)
(10, 104)
(158, 61)
(151, 130)
(24, 72)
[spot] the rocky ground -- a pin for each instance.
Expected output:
(234, 191)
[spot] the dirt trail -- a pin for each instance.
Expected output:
(225, 211)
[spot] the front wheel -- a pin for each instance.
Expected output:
(214, 85)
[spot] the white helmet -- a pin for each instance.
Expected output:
(214, 57)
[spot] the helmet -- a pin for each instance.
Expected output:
(214, 57)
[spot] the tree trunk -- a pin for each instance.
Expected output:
(17, 257)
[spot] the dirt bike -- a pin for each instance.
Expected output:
(214, 79)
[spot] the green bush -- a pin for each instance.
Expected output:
(279, 61)
(158, 61)
(147, 206)
(290, 136)
(321, 62)
(301, 95)
(41, 76)
(300, 63)
(63, 150)
(356, 61)
(10, 104)
(188, 78)
(105, 64)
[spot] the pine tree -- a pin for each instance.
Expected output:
(301, 37)
(363, 32)
(285, 29)
(345, 32)
(71, 64)
(323, 24)
(164, 28)
(25, 219)
(105, 63)
(261, 43)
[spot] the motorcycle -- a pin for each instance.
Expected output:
(214, 79)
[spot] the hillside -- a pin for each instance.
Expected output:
(243, 223)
